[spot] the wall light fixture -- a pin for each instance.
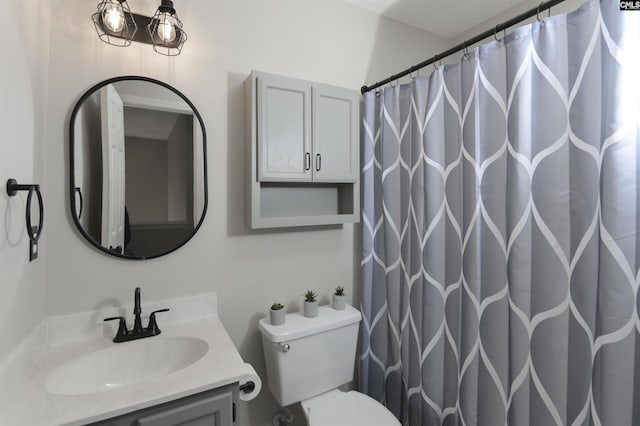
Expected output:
(118, 26)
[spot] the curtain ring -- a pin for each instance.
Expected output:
(412, 76)
(465, 54)
(538, 14)
(377, 92)
(495, 34)
(437, 64)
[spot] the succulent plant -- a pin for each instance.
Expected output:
(339, 291)
(310, 296)
(277, 306)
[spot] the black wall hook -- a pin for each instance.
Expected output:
(34, 232)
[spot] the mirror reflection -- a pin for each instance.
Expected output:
(138, 176)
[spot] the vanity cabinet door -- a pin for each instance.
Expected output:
(284, 130)
(335, 134)
(211, 408)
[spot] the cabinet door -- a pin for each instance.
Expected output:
(284, 130)
(215, 410)
(210, 408)
(335, 134)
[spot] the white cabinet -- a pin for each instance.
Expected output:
(306, 131)
(302, 153)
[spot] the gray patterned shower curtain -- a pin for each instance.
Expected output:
(501, 251)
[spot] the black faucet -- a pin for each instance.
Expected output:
(138, 332)
(137, 323)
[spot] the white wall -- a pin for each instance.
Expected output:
(321, 40)
(24, 31)
(564, 7)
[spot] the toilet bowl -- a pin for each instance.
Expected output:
(308, 359)
(337, 408)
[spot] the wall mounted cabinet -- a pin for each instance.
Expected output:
(302, 153)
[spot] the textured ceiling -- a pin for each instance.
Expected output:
(445, 18)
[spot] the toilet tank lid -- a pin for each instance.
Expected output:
(297, 325)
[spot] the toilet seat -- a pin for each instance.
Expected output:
(337, 408)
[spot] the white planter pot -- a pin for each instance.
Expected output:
(311, 309)
(277, 317)
(338, 302)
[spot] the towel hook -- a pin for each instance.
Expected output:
(34, 232)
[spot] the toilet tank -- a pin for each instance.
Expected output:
(320, 355)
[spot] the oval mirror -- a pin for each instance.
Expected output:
(138, 167)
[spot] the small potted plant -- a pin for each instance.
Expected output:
(338, 300)
(310, 304)
(277, 314)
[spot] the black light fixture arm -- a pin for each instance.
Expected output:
(464, 45)
(34, 232)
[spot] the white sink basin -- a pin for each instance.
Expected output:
(126, 364)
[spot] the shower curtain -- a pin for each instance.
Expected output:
(501, 253)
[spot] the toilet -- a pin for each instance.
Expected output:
(307, 360)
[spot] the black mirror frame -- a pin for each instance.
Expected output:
(72, 189)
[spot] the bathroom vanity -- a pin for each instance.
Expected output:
(211, 408)
(70, 372)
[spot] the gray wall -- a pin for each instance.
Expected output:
(146, 163)
(180, 170)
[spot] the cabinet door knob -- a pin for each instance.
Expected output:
(318, 162)
(307, 161)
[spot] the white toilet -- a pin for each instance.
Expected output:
(308, 358)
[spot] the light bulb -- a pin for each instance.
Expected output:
(113, 17)
(166, 29)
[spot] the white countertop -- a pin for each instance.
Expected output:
(24, 400)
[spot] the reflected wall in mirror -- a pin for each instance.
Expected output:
(138, 167)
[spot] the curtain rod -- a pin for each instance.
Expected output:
(464, 45)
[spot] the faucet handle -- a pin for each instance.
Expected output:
(153, 325)
(122, 326)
